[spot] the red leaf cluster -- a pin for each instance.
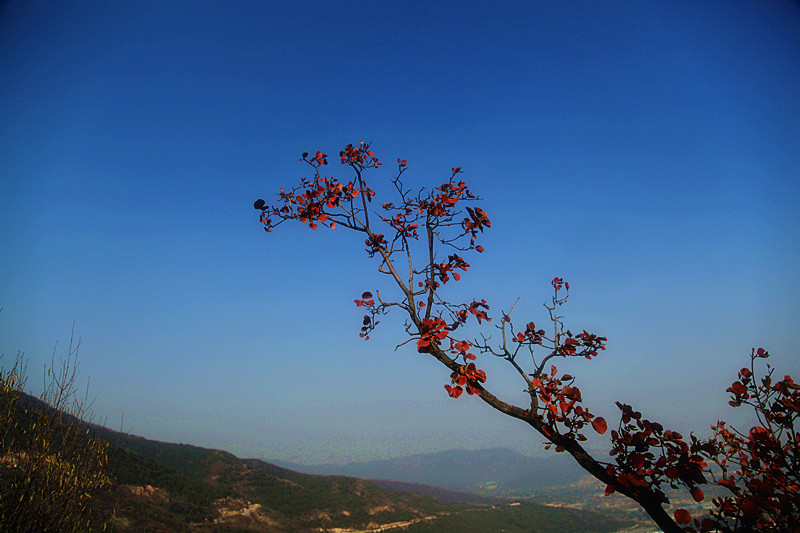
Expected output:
(434, 211)
(648, 455)
(477, 221)
(367, 300)
(432, 331)
(479, 310)
(558, 284)
(359, 156)
(585, 344)
(467, 376)
(441, 203)
(760, 468)
(454, 262)
(375, 242)
(558, 404)
(310, 202)
(400, 223)
(531, 335)
(320, 158)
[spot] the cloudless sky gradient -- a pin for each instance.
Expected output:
(648, 152)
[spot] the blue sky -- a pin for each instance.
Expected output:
(648, 152)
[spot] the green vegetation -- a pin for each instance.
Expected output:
(51, 467)
(192, 498)
(519, 518)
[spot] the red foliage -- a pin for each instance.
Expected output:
(760, 468)
(432, 331)
(646, 454)
(466, 375)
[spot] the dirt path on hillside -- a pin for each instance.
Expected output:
(382, 527)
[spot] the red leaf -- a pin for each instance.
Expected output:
(454, 392)
(737, 388)
(682, 516)
(479, 248)
(707, 524)
(749, 506)
(637, 460)
(367, 295)
(697, 494)
(599, 425)
(610, 490)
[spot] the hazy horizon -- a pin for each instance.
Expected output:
(646, 152)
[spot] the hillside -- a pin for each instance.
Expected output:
(205, 490)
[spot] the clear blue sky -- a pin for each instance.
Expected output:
(649, 152)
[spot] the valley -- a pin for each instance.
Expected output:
(179, 487)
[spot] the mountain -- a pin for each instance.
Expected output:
(187, 488)
(165, 487)
(496, 472)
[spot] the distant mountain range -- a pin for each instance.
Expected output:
(497, 472)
